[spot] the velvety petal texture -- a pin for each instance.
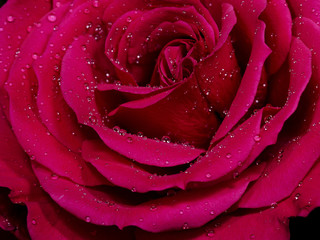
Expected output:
(147, 119)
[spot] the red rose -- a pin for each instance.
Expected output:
(148, 119)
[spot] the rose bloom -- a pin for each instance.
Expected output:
(158, 119)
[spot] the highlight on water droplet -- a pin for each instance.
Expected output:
(252, 236)
(185, 226)
(95, 3)
(52, 18)
(153, 208)
(54, 176)
(257, 138)
(87, 219)
(10, 19)
(210, 233)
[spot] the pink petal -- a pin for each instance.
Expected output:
(16, 20)
(278, 33)
(47, 220)
(295, 162)
(198, 206)
(248, 86)
(305, 8)
(143, 150)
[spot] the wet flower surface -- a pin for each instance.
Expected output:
(148, 119)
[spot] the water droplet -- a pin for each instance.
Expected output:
(228, 155)
(93, 119)
(133, 189)
(34, 222)
(166, 139)
(10, 19)
(129, 139)
(153, 208)
(211, 212)
(95, 3)
(257, 138)
(52, 18)
(129, 19)
(34, 56)
(185, 226)
(208, 175)
(87, 219)
(252, 236)
(274, 205)
(54, 177)
(296, 197)
(171, 192)
(210, 233)
(116, 129)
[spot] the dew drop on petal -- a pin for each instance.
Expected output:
(129, 139)
(87, 219)
(210, 233)
(274, 205)
(129, 19)
(208, 175)
(10, 19)
(52, 18)
(54, 177)
(95, 3)
(116, 129)
(228, 155)
(185, 226)
(153, 208)
(93, 119)
(34, 222)
(166, 139)
(34, 56)
(257, 138)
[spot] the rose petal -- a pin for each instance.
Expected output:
(278, 33)
(142, 150)
(47, 220)
(22, 16)
(180, 113)
(248, 86)
(295, 162)
(12, 217)
(104, 207)
(219, 77)
(57, 116)
(15, 171)
(306, 8)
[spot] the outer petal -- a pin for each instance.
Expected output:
(23, 15)
(295, 162)
(306, 8)
(185, 209)
(46, 220)
(278, 33)
(248, 86)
